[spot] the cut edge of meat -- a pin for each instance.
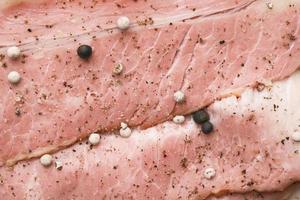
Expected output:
(292, 192)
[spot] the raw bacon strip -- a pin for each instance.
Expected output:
(251, 149)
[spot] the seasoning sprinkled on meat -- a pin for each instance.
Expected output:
(207, 52)
(84, 51)
(13, 52)
(94, 139)
(118, 69)
(14, 77)
(207, 127)
(179, 96)
(123, 23)
(46, 160)
(200, 116)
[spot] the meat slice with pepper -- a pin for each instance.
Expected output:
(251, 149)
(72, 70)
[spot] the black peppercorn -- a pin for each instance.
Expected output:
(84, 51)
(207, 127)
(200, 116)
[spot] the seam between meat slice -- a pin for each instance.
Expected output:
(41, 151)
(255, 191)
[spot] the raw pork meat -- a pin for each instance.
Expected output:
(208, 49)
(292, 193)
(235, 56)
(251, 149)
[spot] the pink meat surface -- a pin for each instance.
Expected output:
(251, 149)
(208, 49)
(292, 193)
